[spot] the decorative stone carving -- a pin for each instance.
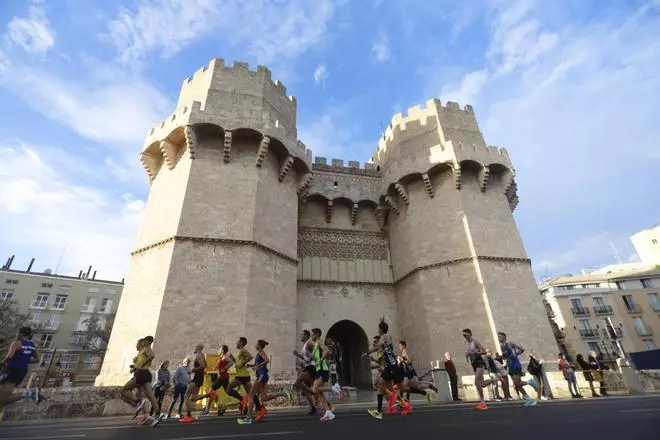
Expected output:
(304, 183)
(392, 204)
(335, 244)
(354, 212)
(427, 185)
(168, 150)
(191, 140)
(402, 192)
(484, 172)
(263, 149)
(328, 211)
(226, 151)
(286, 166)
(456, 168)
(344, 291)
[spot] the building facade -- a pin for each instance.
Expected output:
(67, 315)
(578, 308)
(244, 234)
(647, 245)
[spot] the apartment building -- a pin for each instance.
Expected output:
(67, 315)
(579, 307)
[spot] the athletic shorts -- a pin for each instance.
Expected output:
(324, 375)
(14, 375)
(515, 370)
(198, 380)
(262, 378)
(392, 373)
(410, 373)
(142, 377)
(220, 382)
(243, 380)
(478, 363)
(311, 370)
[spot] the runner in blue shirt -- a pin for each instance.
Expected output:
(22, 352)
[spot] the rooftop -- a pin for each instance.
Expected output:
(592, 278)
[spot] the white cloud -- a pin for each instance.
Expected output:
(45, 211)
(468, 89)
(269, 31)
(34, 34)
(380, 49)
(320, 74)
(116, 111)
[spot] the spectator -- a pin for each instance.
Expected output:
(453, 377)
(597, 368)
(505, 376)
(161, 385)
(568, 370)
(181, 378)
(536, 370)
(494, 370)
(586, 371)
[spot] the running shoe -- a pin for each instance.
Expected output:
(430, 396)
(375, 414)
(186, 419)
(327, 416)
(260, 414)
(406, 409)
(529, 402)
(138, 407)
(213, 395)
(544, 398)
(177, 416)
(221, 411)
(391, 399)
(391, 410)
(287, 395)
(244, 421)
(481, 406)
(156, 420)
(144, 419)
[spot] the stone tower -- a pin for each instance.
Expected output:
(243, 235)
(216, 251)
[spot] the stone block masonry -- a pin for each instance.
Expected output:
(245, 235)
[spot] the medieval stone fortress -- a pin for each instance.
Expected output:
(245, 234)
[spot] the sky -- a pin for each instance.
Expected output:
(571, 89)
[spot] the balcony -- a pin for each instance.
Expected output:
(50, 326)
(588, 333)
(603, 310)
(87, 308)
(39, 305)
(644, 332)
(618, 331)
(580, 311)
(633, 308)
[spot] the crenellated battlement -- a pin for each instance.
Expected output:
(337, 166)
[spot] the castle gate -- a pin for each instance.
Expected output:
(352, 342)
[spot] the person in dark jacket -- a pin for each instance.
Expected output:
(586, 371)
(536, 370)
(597, 369)
(453, 377)
(161, 385)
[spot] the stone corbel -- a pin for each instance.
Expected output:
(392, 204)
(514, 203)
(427, 185)
(354, 213)
(402, 192)
(191, 140)
(456, 167)
(286, 166)
(304, 182)
(328, 212)
(168, 150)
(263, 149)
(484, 172)
(150, 165)
(380, 216)
(508, 180)
(226, 150)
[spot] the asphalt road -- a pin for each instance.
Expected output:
(625, 418)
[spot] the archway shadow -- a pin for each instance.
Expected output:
(352, 341)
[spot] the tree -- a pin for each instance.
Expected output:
(94, 339)
(12, 319)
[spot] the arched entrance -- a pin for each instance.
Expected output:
(351, 341)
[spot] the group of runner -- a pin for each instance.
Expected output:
(398, 378)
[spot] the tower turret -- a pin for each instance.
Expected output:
(457, 257)
(216, 253)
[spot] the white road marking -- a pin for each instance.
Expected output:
(639, 410)
(47, 437)
(262, 434)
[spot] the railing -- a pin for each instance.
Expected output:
(39, 305)
(50, 326)
(644, 331)
(588, 333)
(634, 308)
(617, 330)
(603, 310)
(580, 311)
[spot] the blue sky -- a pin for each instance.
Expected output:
(571, 89)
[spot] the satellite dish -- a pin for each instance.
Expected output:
(48, 271)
